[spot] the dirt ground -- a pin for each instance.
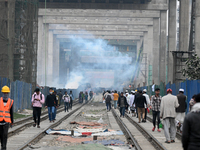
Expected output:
(93, 112)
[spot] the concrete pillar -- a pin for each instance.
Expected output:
(40, 52)
(144, 60)
(56, 56)
(150, 55)
(163, 44)
(50, 59)
(197, 28)
(171, 39)
(156, 52)
(184, 25)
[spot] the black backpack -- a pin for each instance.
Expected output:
(40, 96)
(108, 99)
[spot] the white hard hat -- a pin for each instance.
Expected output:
(145, 90)
(132, 91)
(181, 90)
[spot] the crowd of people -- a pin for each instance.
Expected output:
(85, 96)
(171, 109)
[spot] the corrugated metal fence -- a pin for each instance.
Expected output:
(191, 88)
(21, 92)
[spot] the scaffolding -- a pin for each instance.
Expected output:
(18, 40)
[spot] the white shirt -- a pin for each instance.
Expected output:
(147, 99)
(131, 101)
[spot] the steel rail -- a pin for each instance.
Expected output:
(178, 135)
(40, 135)
(148, 136)
(126, 131)
(30, 123)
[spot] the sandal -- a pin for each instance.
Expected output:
(34, 125)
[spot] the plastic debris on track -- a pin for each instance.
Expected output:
(106, 142)
(88, 123)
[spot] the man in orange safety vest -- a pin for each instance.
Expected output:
(6, 115)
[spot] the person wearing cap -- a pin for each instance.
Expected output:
(37, 101)
(128, 100)
(169, 103)
(116, 96)
(148, 103)
(155, 106)
(180, 111)
(6, 115)
(140, 102)
(131, 103)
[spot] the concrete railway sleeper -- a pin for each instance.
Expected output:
(178, 135)
(126, 131)
(146, 134)
(23, 123)
(41, 134)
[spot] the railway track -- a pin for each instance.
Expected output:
(154, 142)
(27, 122)
(42, 133)
(126, 131)
(178, 135)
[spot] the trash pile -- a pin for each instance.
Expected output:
(87, 133)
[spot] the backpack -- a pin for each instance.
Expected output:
(34, 97)
(108, 99)
(40, 96)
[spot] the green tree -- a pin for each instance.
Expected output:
(192, 68)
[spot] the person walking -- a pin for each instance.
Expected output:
(66, 99)
(191, 127)
(71, 99)
(86, 97)
(192, 102)
(115, 99)
(108, 99)
(60, 97)
(91, 95)
(128, 100)
(57, 102)
(180, 111)
(167, 111)
(155, 106)
(122, 103)
(37, 101)
(51, 102)
(146, 105)
(140, 102)
(131, 103)
(6, 116)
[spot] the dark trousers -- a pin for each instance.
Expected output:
(108, 106)
(66, 106)
(122, 111)
(145, 115)
(37, 114)
(4, 135)
(156, 114)
(71, 103)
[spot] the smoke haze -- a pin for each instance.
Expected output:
(94, 61)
